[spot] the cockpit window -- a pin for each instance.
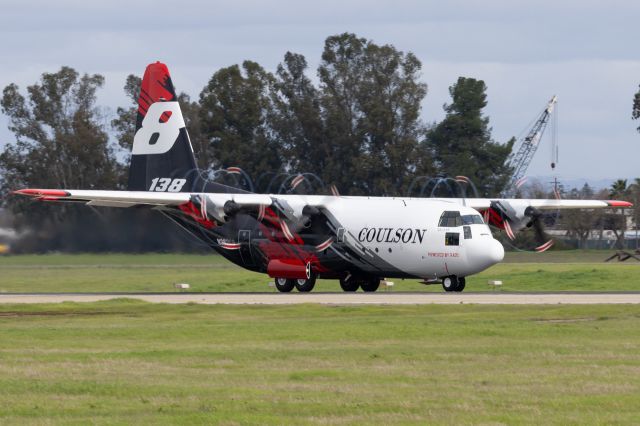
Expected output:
(467, 232)
(472, 219)
(450, 219)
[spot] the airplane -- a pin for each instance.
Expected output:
(297, 239)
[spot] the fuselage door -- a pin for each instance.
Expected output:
(244, 238)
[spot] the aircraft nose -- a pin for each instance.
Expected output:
(496, 251)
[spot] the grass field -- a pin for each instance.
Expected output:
(126, 362)
(551, 271)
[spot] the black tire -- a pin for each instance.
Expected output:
(284, 285)
(305, 285)
(461, 284)
(349, 285)
(370, 285)
(450, 283)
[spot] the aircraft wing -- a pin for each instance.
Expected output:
(137, 198)
(108, 198)
(541, 204)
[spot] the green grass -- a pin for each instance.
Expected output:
(552, 271)
(127, 362)
(560, 256)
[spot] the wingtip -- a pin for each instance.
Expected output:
(617, 203)
(42, 193)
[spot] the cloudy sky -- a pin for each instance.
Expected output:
(584, 51)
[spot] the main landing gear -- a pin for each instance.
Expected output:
(453, 283)
(285, 285)
(351, 284)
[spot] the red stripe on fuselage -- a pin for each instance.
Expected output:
(192, 211)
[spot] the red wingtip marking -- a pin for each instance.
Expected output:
(616, 203)
(42, 193)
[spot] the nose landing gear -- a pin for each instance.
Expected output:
(453, 283)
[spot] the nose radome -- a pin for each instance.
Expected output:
(496, 251)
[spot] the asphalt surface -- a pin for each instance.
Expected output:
(379, 298)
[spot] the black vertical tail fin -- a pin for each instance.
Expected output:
(162, 158)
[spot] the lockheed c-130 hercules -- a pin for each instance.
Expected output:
(299, 238)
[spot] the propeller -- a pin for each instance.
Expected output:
(541, 238)
(294, 218)
(503, 218)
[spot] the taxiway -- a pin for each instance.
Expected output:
(380, 298)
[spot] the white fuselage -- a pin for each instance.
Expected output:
(405, 233)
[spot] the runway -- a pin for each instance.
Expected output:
(381, 298)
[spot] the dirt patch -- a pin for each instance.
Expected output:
(13, 314)
(564, 320)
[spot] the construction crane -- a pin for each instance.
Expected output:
(521, 157)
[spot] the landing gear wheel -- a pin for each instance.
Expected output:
(461, 283)
(370, 285)
(349, 285)
(305, 285)
(284, 285)
(450, 283)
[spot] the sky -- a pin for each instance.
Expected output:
(525, 51)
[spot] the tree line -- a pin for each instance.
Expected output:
(356, 126)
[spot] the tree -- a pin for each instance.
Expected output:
(616, 221)
(234, 112)
(359, 129)
(619, 189)
(124, 124)
(370, 98)
(60, 143)
(634, 197)
(579, 223)
(462, 141)
(532, 189)
(297, 118)
(586, 192)
(635, 113)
